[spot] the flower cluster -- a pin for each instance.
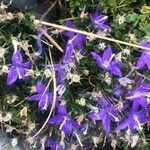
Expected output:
(126, 106)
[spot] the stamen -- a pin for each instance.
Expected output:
(65, 119)
(78, 138)
(46, 102)
(19, 75)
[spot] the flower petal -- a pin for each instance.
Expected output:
(78, 41)
(12, 75)
(56, 119)
(40, 88)
(116, 71)
(105, 27)
(94, 116)
(68, 53)
(35, 97)
(143, 118)
(61, 89)
(107, 54)
(54, 145)
(147, 60)
(101, 19)
(67, 127)
(44, 102)
(62, 110)
(141, 62)
(123, 125)
(97, 58)
(27, 64)
(118, 90)
(135, 104)
(143, 101)
(21, 72)
(17, 57)
(106, 124)
(132, 124)
(70, 25)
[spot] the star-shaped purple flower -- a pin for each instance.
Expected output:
(145, 57)
(67, 124)
(42, 96)
(77, 40)
(135, 120)
(99, 20)
(137, 93)
(105, 62)
(106, 113)
(17, 69)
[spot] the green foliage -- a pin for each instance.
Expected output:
(128, 23)
(76, 6)
(136, 18)
(13, 101)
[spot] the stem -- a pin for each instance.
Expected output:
(90, 34)
(54, 100)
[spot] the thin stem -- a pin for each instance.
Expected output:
(90, 34)
(54, 100)
(52, 40)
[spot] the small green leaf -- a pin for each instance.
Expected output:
(133, 17)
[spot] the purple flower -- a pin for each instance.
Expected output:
(135, 119)
(54, 145)
(68, 53)
(107, 114)
(105, 62)
(145, 57)
(137, 93)
(99, 20)
(67, 124)
(42, 96)
(17, 69)
(60, 90)
(68, 33)
(61, 75)
(118, 90)
(75, 38)
(39, 42)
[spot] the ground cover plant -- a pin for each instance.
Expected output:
(68, 89)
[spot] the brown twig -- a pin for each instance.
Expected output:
(51, 40)
(89, 34)
(54, 99)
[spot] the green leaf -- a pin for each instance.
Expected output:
(133, 17)
(142, 17)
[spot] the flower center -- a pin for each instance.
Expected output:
(64, 121)
(106, 63)
(97, 21)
